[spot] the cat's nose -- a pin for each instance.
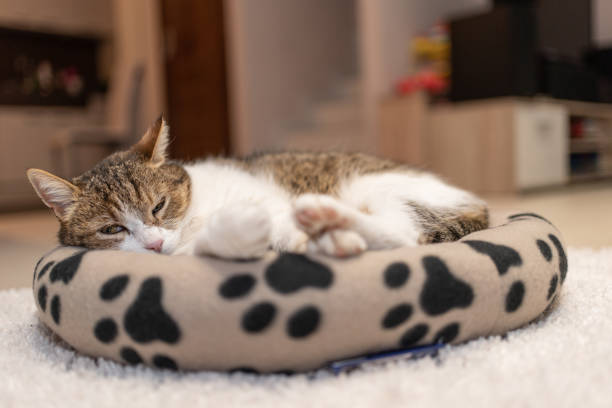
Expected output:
(155, 245)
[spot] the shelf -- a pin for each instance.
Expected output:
(591, 176)
(588, 145)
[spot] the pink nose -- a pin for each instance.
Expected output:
(156, 245)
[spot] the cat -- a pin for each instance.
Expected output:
(339, 204)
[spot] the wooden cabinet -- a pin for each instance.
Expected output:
(497, 145)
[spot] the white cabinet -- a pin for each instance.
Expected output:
(540, 145)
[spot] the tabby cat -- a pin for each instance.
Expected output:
(339, 204)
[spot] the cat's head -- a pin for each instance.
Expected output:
(133, 200)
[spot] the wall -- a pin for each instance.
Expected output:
(602, 22)
(137, 40)
(69, 16)
(282, 54)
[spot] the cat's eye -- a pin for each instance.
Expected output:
(112, 229)
(159, 206)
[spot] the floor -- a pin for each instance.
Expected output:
(582, 213)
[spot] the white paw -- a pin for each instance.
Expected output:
(238, 231)
(298, 242)
(339, 243)
(315, 213)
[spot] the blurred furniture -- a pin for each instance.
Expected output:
(26, 136)
(68, 145)
(517, 48)
(501, 145)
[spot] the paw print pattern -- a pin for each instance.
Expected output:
(502, 256)
(106, 330)
(522, 216)
(114, 287)
(237, 286)
(397, 315)
(396, 275)
(447, 334)
(562, 256)
(44, 269)
(544, 249)
(56, 308)
(145, 320)
(441, 292)
(553, 286)
(258, 317)
(303, 322)
(288, 274)
(63, 271)
(414, 335)
(547, 253)
(42, 298)
(291, 272)
(515, 295)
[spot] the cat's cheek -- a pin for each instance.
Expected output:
(129, 243)
(171, 241)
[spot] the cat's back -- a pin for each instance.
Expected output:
(312, 172)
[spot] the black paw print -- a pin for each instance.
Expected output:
(440, 293)
(145, 320)
(62, 271)
(288, 274)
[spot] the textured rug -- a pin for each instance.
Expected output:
(562, 360)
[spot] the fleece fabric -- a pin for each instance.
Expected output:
(563, 359)
(290, 312)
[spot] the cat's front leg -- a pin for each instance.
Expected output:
(237, 231)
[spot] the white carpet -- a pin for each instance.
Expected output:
(564, 360)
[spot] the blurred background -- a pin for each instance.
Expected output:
(508, 98)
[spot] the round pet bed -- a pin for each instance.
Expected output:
(289, 312)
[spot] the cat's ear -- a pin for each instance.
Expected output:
(55, 192)
(154, 143)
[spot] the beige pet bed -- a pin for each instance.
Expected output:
(290, 312)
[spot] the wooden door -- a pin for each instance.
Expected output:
(196, 77)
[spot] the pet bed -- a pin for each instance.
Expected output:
(290, 312)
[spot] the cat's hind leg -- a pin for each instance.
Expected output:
(411, 208)
(341, 229)
(340, 243)
(329, 223)
(317, 213)
(389, 210)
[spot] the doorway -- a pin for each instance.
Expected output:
(196, 78)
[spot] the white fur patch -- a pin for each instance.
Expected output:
(141, 235)
(240, 214)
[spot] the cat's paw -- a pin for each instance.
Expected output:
(339, 243)
(298, 242)
(317, 213)
(238, 231)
